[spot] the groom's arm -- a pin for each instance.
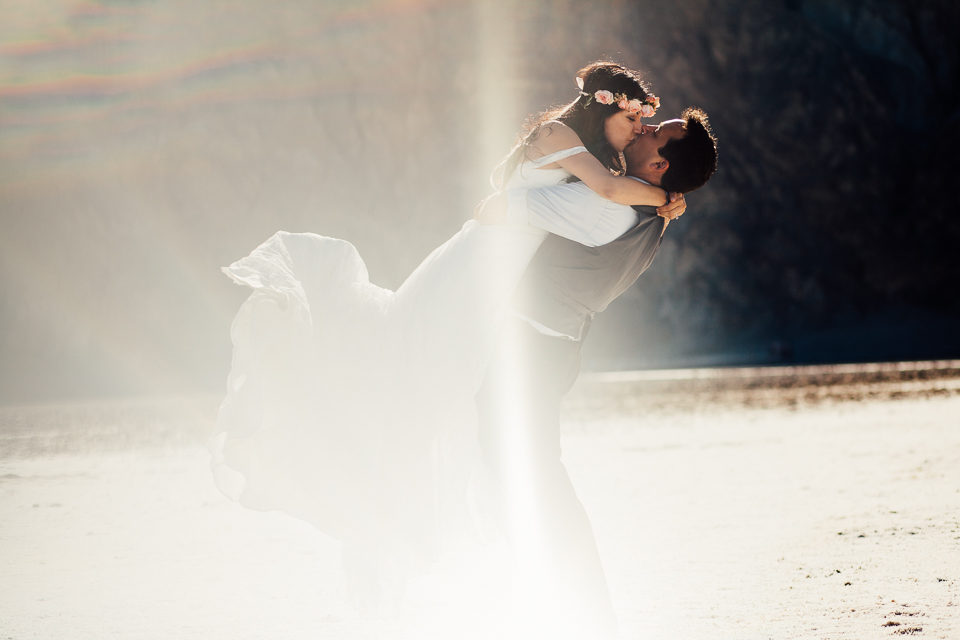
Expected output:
(572, 211)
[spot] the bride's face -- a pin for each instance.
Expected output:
(621, 128)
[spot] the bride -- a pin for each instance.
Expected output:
(351, 406)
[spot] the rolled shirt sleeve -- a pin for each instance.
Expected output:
(572, 211)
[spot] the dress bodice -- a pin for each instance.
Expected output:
(529, 175)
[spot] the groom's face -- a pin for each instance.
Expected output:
(643, 154)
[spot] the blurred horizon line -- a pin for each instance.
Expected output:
(729, 373)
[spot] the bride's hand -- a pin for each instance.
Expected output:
(676, 205)
(493, 210)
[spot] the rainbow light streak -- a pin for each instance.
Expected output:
(53, 93)
(79, 80)
(104, 84)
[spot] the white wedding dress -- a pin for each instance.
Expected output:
(350, 406)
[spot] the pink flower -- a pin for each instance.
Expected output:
(647, 110)
(623, 103)
(604, 97)
(634, 106)
(654, 100)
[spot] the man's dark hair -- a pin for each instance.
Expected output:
(693, 158)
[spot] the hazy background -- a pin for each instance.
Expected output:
(143, 145)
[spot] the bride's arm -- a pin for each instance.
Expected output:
(619, 189)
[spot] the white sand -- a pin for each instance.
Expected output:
(828, 522)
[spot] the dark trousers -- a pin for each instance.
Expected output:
(548, 530)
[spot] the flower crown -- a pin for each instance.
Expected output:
(645, 108)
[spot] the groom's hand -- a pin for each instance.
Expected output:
(676, 205)
(493, 210)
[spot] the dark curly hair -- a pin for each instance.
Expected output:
(693, 158)
(584, 115)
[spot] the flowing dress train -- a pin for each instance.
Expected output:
(351, 406)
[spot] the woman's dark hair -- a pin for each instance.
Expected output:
(584, 115)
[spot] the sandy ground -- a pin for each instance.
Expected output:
(791, 504)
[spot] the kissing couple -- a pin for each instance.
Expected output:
(395, 421)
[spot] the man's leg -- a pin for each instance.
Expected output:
(519, 429)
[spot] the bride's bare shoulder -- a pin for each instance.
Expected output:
(551, 137)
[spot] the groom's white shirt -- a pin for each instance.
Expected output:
(573, 211)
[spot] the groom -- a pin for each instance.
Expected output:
(596, 250)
